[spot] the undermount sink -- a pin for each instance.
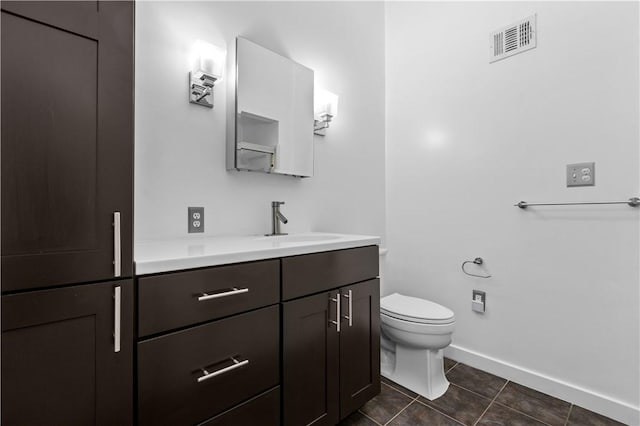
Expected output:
(300, 238)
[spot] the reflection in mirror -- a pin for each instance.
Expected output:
(272, 112)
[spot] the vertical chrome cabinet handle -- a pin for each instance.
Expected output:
(117, 253)
(336, 300)
(116, 318)
(349, 317)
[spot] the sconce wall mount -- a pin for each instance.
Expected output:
(201, 90)
(321, 124)
(205, 73)
(325, 110)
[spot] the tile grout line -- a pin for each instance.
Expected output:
(373, 420)
(524, 414)
(398, 390)
(440, 412)
(476, 393)
(566, 422)
(505, 405)
(407, 406)
(491, 403)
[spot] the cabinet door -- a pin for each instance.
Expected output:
(67, 141)
(59, 359)
(359, 345)
(310, 361)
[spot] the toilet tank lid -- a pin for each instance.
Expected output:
(414, 307)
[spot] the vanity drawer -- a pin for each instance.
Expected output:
(263, 410)
(312, 273)
(170, 301)
(173, 388)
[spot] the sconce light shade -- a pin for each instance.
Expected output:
(206, 70)
(325, 108)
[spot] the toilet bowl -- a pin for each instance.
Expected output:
(415, 331)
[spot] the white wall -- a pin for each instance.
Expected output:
(180, 148)
(467, 139)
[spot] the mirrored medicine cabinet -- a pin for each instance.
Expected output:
(270, 122)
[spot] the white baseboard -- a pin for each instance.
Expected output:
(607, 406)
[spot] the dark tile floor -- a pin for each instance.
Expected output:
(474, 397)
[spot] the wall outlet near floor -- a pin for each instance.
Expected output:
(581, 174)
(479, 301)
(196, 219)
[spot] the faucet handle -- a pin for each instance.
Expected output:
(276, 203)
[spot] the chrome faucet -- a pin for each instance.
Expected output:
(276, 218)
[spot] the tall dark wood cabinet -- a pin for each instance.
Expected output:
(67, 141)
(67, 212)
(331, 339)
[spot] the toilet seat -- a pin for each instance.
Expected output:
(415, 310)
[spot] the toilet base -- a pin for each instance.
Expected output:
(419, 370)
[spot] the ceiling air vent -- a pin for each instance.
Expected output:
(512, 39)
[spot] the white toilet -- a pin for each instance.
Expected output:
(415, 331)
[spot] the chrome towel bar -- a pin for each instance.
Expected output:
(632, 202)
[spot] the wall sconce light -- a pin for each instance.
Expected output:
(206, 71)
(325, 109)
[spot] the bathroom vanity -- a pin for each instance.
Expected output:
(257, 330)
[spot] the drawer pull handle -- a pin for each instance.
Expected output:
(233, 291)
(350, 316)
(236, 364)
(336, 300)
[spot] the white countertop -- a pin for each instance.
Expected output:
(185, 253)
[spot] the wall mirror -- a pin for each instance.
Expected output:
(271, 106)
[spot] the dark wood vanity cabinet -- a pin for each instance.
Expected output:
(331, 340)
(257, 343)
(209, 347)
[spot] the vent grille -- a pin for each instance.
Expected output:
(515, 38)
(498, 44)
(511, 39)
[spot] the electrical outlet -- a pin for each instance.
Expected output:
(478, 303)
(581, 174)
(196, 219)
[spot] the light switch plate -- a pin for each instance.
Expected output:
(196, 219)
(581, 174)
